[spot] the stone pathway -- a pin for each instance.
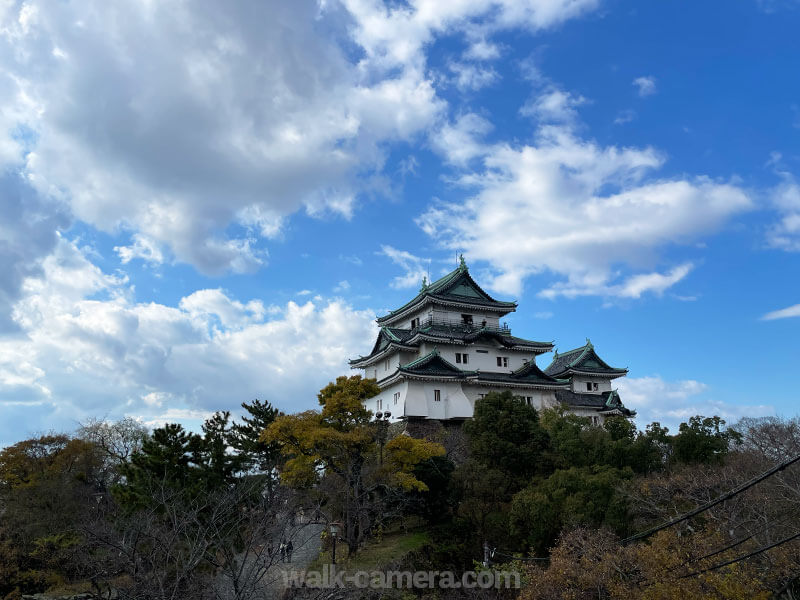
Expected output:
(306, 544)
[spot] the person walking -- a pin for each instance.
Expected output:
(289, 550)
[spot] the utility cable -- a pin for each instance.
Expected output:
(720, 499)
(742, 540)
(744, 557)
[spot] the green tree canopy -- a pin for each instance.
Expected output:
(505, 434)
(338, 443)
(703, 440)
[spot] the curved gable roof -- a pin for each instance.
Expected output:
(432, 364)
(583, 360)
(457, 286)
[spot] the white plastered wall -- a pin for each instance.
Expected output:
(579, 384)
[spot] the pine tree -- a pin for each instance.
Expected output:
(246, 437)
(167, 459)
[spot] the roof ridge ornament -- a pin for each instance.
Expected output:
(589, 343)
(462, 265)
(424, 284)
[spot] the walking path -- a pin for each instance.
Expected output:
(306, 544)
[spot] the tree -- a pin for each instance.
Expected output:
(433, 505)
(505, 434)
(484, 500)
(46, 487)
(338, 443)
(219, 467)
(256, 455)
(166, 458)
(219, 544)
(591, 564)
(576, 496)
(775, 438)
(703, 440)
(651, 450)
(246, 437)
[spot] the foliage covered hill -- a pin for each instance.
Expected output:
(176, 514)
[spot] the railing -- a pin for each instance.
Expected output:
(461, 326)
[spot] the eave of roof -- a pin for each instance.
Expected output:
(603, 402)
(463, 335)
(570, 363)
(437, 292)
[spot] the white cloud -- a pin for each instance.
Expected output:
(632, 287)
(482, 50)
(415, 267)
(342, 286)
(580, 210)
(352, 259)
(175, 121)
(673, 402)
(87, 349)
(185, 416)
(143, 248)
(784, 313)
(646, 85)
(624, 116)
(785, 234)
(554, 106)
(468, 76)
(460, 142)
(397, 35)
(29, 226)
(212, 306)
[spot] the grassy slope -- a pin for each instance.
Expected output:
(376, 553)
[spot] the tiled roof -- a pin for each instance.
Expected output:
(473, 333)
(432, 364)
(583, 359)
(457, 286)
(601, 402)
(445, 333)
(528, 373)
(386, 336)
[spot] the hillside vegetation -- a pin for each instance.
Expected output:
(115, 510)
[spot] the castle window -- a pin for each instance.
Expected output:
(466, 319)
(502, 361)
(414, 323)
(482, 351)
(594, 386)
(380, 403)
(588, 386)
(462, 357)
(437, 395)
(396, 397)
(386, 366)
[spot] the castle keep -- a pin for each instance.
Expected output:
(445, 349)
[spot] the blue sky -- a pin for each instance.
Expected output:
(203, 203)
